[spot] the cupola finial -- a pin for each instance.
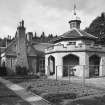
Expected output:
(74, 7)
(75, 21)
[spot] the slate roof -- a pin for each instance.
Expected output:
(11, 49)
(42, 46)
(75, 34)
(33, 49)
(37, 48)
(2, 49)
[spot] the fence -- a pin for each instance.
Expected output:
(77, 73)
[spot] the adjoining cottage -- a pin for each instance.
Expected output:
(24, 52)
(75, 53)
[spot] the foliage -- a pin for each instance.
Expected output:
(43, 38)
(56, 98)
(97, 28)
(21, 70)
(3, 71)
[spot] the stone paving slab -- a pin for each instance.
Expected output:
(28, 96)
(8, 97)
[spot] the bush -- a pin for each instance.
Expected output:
(56, 98)
(40, 74)
(3, 71)
(21, 70)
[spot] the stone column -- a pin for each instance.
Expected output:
(58, 65)
(46, 65)
(102, 66)
(84, 64)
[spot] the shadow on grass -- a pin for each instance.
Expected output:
(93, 101)
(19, 79)
(58, 97)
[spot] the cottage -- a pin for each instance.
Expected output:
(24, 52)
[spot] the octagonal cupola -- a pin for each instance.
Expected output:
(75, 20)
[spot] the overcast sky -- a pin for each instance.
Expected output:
(50, 16)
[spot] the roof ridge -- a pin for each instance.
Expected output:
(90, 34)
(67, 32)
(10, 44)
(78, 32)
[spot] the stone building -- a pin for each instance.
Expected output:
(75, 53)
(24, 52)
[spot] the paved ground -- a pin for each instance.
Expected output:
(25, 95)
(8, 97)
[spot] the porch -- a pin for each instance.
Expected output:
(81, 65)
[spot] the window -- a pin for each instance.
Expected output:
(73, 25)
(72, 43)
(42, 65)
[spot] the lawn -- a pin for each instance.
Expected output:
(57, 92)
(8, 97)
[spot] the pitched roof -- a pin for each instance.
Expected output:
(36, 49)
(11, 48)
(33, 49)
(41, 46)
(2, 49)
(75, 34)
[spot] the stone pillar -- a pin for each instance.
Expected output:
(58, 65)
(84, 64)
(46, 65)
(102, 66)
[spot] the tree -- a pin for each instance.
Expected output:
(97, 28)
(43, 35)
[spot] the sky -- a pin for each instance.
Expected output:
(50, 16)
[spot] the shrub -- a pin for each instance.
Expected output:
(40, 74)
(29, 88)
(21, 70)
(56, 98)
(38, 92)
(3, 71)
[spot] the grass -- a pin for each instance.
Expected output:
(19, 79)
(57, 92)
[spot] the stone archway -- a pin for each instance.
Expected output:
(69, 63)
(94, 65)
(51, 65)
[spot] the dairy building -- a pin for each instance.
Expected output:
(76, 53)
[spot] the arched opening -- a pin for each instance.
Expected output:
(69, 64)
(51, 65)
(94, 64)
